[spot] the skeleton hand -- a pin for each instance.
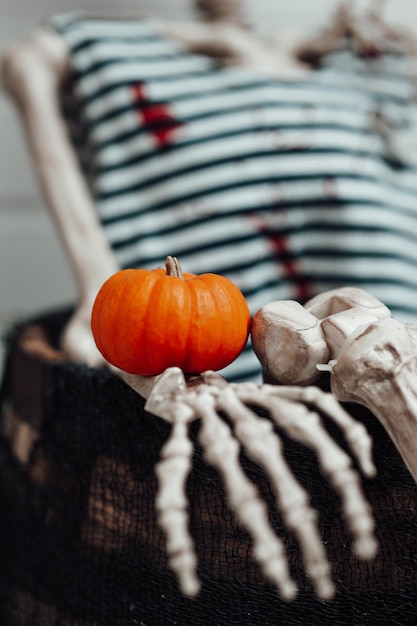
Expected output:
(373, 356)
(209, 397)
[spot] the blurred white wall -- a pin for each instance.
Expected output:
(34, 274)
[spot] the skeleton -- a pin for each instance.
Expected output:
(32, 72)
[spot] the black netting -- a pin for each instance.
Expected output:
(80, 545)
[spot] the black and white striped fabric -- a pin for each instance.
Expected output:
(288, 187)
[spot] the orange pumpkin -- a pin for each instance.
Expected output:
(144, 321)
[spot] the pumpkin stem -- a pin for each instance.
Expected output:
(173, 267)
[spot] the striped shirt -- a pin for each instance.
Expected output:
(288, 187)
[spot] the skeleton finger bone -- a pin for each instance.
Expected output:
(305, 427)
(337, 328)
(264, 447)
(222, 451)
(289, 343)
(345, 298)
(355, 433)
(343, 311)
(172, 472)
(171, 504)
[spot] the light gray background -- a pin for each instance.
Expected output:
(34, 274)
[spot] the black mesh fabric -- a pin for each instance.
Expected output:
(80, 544)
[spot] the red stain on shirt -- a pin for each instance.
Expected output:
(156, 117)
(288, 262)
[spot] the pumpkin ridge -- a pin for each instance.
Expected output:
(169, 336)
(234, 312)
(139, 311)
(119, 353)
(204, 336)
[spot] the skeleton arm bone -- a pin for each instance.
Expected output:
(31, 73)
